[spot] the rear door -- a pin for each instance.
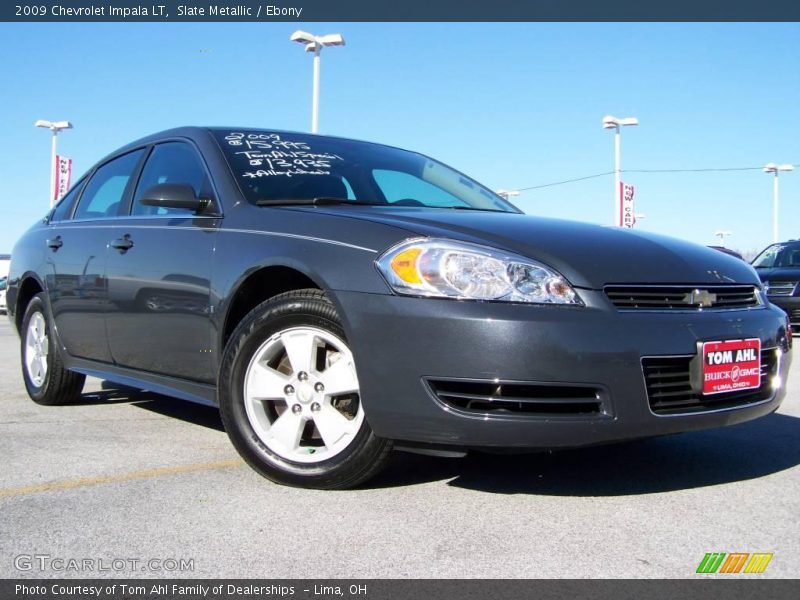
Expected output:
(159, 272)
(76, 255)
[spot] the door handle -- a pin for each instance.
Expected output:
(123, 244)
(55, 243)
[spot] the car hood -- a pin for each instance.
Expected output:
(779, 274)
(587, 255)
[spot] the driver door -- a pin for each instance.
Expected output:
(159, 273)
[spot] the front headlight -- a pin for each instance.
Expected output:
(450, 269)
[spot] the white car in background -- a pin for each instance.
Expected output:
(3, 308)
(5, 262)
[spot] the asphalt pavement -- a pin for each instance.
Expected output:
(132, 484)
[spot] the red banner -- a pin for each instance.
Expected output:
(627, 216)
(63, 177)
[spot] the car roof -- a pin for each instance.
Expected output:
(194, 131)
(786, 243)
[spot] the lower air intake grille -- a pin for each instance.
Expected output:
(670, 392)
(523, 399)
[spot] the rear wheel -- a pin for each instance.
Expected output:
(46, 379)
(290, 398)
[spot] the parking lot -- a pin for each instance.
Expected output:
(134, 476)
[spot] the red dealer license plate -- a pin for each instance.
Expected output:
(731, 365)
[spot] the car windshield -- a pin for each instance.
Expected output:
(2, 284)
(274, 168)
(778, 255)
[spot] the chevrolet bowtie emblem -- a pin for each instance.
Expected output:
(702, 298)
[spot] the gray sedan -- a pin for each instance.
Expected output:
(337, 299)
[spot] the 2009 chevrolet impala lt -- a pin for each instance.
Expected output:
(338, 298)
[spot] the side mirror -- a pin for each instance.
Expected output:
(174, 195)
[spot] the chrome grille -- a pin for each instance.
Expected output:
(675, 297)
(780, 288)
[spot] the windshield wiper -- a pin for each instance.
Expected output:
(319, 201)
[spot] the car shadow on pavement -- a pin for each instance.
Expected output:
(113, 393)
(682, 461)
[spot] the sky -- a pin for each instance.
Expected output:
(514, 105)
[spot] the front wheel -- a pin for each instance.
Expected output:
(46, 379)
(290, 398)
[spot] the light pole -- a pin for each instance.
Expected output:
(614, 123)
(722, 235)
(55, 127)
(315, 43)
(507, 194)
(775, 169)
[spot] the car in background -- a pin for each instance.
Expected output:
(337, 299)
(3, 283)
(728, 251)
(778, 266)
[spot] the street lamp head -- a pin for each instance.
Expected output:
(507, 193)
(610, 122)
(302, 37)
(314, 43)
(775, 168)
(331, 39)
(53, 125)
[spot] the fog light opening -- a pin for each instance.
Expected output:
(776, 382)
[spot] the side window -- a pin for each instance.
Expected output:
(64, 206)
(173, 162)
(794, 259)
(405, 189)
(106, 189)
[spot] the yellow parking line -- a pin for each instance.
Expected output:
(57, 486)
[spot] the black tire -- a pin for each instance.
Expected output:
(59, 386)
(365, 455)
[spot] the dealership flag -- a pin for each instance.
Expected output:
(627, 218)
(63, 176)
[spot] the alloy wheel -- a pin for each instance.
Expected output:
(301, 395)
(37, 345)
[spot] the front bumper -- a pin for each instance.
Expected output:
(401, 343)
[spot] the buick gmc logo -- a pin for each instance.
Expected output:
(702, 298)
